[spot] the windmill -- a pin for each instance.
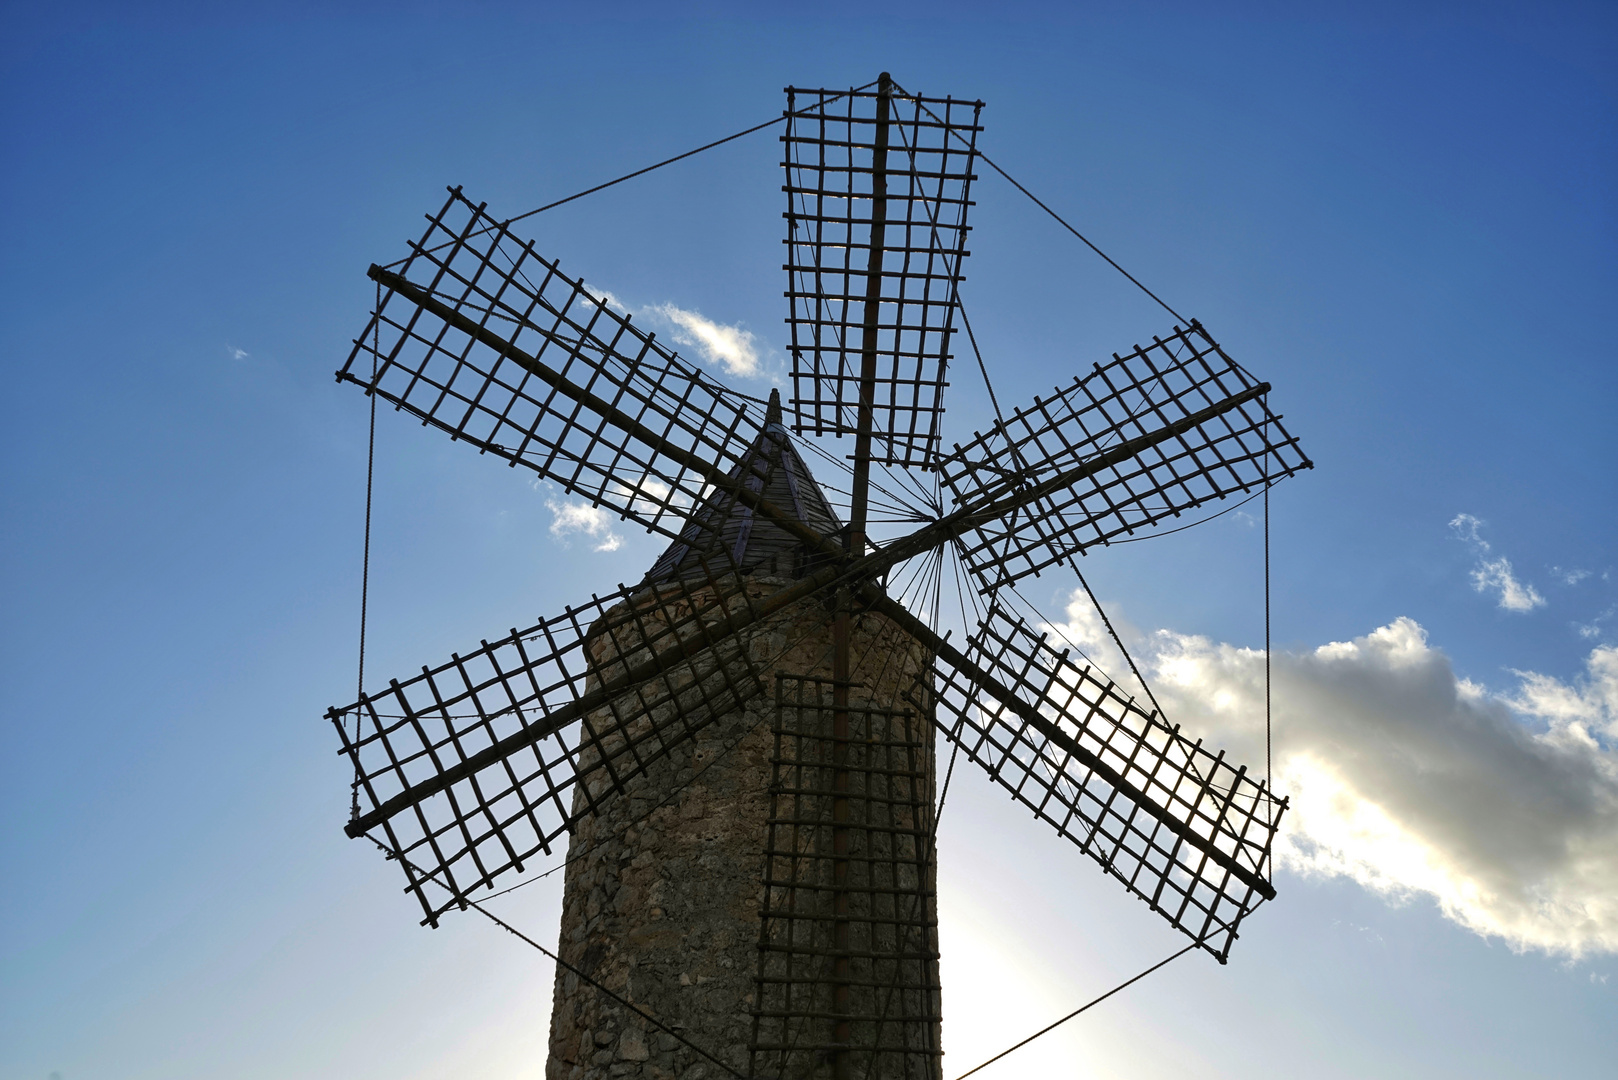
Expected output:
(737, 751)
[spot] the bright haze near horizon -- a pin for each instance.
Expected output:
(1402, 216)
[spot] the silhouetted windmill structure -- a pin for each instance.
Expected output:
(741, 745)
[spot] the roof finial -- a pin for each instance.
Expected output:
(772, 411)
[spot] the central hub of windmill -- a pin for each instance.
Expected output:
(734, 756)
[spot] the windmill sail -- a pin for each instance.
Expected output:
(878, 186)
(1173, 378)
(475, 766)
(480, 337)
(1181, 827)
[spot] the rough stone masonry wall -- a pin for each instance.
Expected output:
(663, 888)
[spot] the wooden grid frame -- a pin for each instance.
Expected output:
(471, 282)
(830, 161)
(1110, 776)
(893, 1004)
(475, 766)
(1153, 386)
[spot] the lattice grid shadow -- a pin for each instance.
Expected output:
(850, 824)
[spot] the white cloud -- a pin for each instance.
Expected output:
(1467, 528)
(728, 345)
(1593, 628)
(236, 354)
(720, 344)
(1500, 807)
(1514, 595)
(608, 298)
(591, 521)
(648, 496)
(1569, 577)
(1495, 574)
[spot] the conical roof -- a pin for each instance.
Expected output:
(723, 529)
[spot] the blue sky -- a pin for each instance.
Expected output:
(1403, 216)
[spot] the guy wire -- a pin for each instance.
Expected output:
(508, 928)
(678, 157)
(1268, 778)
(1077, 1011)
(650, 168)
(1021, 464)
(365, 559)
(1059, 219)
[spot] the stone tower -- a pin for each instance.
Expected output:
(767, 890)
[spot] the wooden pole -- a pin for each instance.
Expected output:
(870, 317)
(854, 544)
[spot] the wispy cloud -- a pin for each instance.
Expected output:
(649, 497)
(1500, 807)
(726, 344)
(1494, 574)
(577, 518)
(1513, 595)
(730, 346)
(606, 297)
(1569, 577)
(234, 353)
(1470, 529)
(1594, 629)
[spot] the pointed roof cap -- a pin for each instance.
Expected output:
(723, 524)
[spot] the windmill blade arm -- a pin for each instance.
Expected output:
(471, 768)
(1005, 499)
(1181, 828)
(550, 376)
(685, 459)
(488, 758)
(1088, 758)
(878, 186)
(997, 501)
(1234, 450)
(497, 347)
(866, 568)
(685, 640)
